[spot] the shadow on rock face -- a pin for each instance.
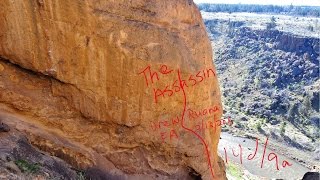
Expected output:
(94, 173)
(311, 176)
(20, 160)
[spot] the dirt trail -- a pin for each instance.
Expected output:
(269, 169)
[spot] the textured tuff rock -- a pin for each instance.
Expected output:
(19, 160)
(71, 71)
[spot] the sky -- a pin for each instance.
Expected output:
(274, 2)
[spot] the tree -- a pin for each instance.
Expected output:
(289, 10)
(310, 28)
(272, 24)
(283, 128)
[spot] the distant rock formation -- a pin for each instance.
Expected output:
(285, 41)
(69, 79)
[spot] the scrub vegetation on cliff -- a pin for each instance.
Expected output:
(268, 67)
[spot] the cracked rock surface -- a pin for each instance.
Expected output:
(69, 81)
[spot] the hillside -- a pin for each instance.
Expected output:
(270, 79)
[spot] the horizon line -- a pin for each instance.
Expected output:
(259, 4)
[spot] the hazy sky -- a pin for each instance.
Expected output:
(275, 2)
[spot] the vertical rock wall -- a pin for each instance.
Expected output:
(71, 73)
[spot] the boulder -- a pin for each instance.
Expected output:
(71, 79)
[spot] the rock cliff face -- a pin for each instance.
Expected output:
(71, 79)
(285, 41)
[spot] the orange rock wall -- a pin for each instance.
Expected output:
(71, 69)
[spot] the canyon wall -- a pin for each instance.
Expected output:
(71, 79)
